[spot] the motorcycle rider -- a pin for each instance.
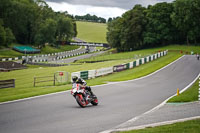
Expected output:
(197, 56)
(82, 82)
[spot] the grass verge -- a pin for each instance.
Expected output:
(192, 126)
(190, 95)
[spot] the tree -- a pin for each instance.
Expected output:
(2, 36)
(6, 35)
(91, 18)
(30, 20)
(159, 29)
(110, 19)
(133, 28)
(186, 18)
(65, 29)
(46, 33)
(126, 33)
(113, 34)
(10, 38)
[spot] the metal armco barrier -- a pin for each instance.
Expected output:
(104, 71)
(127, 66)
(84, 74)
(140, 62)
(119, 68)
(134, 64)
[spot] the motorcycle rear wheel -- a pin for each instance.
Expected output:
(80, 101)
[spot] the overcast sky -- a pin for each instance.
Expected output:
(100, 8)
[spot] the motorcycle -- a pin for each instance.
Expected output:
(83, 97)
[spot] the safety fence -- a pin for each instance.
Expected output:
(44, 79)
(10, 83)
(57, 77)
(104, 71)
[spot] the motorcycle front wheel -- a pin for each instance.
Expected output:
(94, 102)
(80, 100)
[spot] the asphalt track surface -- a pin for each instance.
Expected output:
(119, 102)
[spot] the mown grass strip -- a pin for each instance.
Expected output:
(191, 126)
(190, 95)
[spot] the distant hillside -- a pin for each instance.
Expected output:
(92, 32)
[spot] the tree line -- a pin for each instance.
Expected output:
(90, 18)
(158, 25)
(33, 22)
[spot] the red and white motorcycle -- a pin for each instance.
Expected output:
(83, 97)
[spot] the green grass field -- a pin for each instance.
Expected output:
(92, 32)
(192, 126)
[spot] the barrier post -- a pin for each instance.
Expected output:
(177, 91)
(54, 80)
(199, 88)
(14, 83)
(34, 82)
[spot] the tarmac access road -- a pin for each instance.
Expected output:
(118, 102)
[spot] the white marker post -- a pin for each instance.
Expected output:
(199, 88)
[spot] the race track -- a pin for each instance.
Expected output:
(119, 102)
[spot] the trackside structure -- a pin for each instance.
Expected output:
(88, 74)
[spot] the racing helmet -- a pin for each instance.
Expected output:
(74, 78)
(79, 81)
